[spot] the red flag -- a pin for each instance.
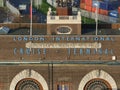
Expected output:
(31, 9)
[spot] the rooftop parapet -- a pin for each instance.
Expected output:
(54, 19)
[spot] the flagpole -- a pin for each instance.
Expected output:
(97, 19)
(30, 22)
(30, 18)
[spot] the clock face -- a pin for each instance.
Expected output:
(97, 84)
(28, 84)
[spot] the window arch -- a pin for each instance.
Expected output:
(97, 80)
(30, 76)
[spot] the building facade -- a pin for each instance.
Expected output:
(59, 67)
(60, 62)
(59, 77)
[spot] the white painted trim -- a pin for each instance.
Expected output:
(95, 74)
(69, 20)
(25, 74)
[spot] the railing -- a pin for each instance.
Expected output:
(63, 17)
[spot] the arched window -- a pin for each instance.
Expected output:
(28, 80)
(97, 80)
(28, 84)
